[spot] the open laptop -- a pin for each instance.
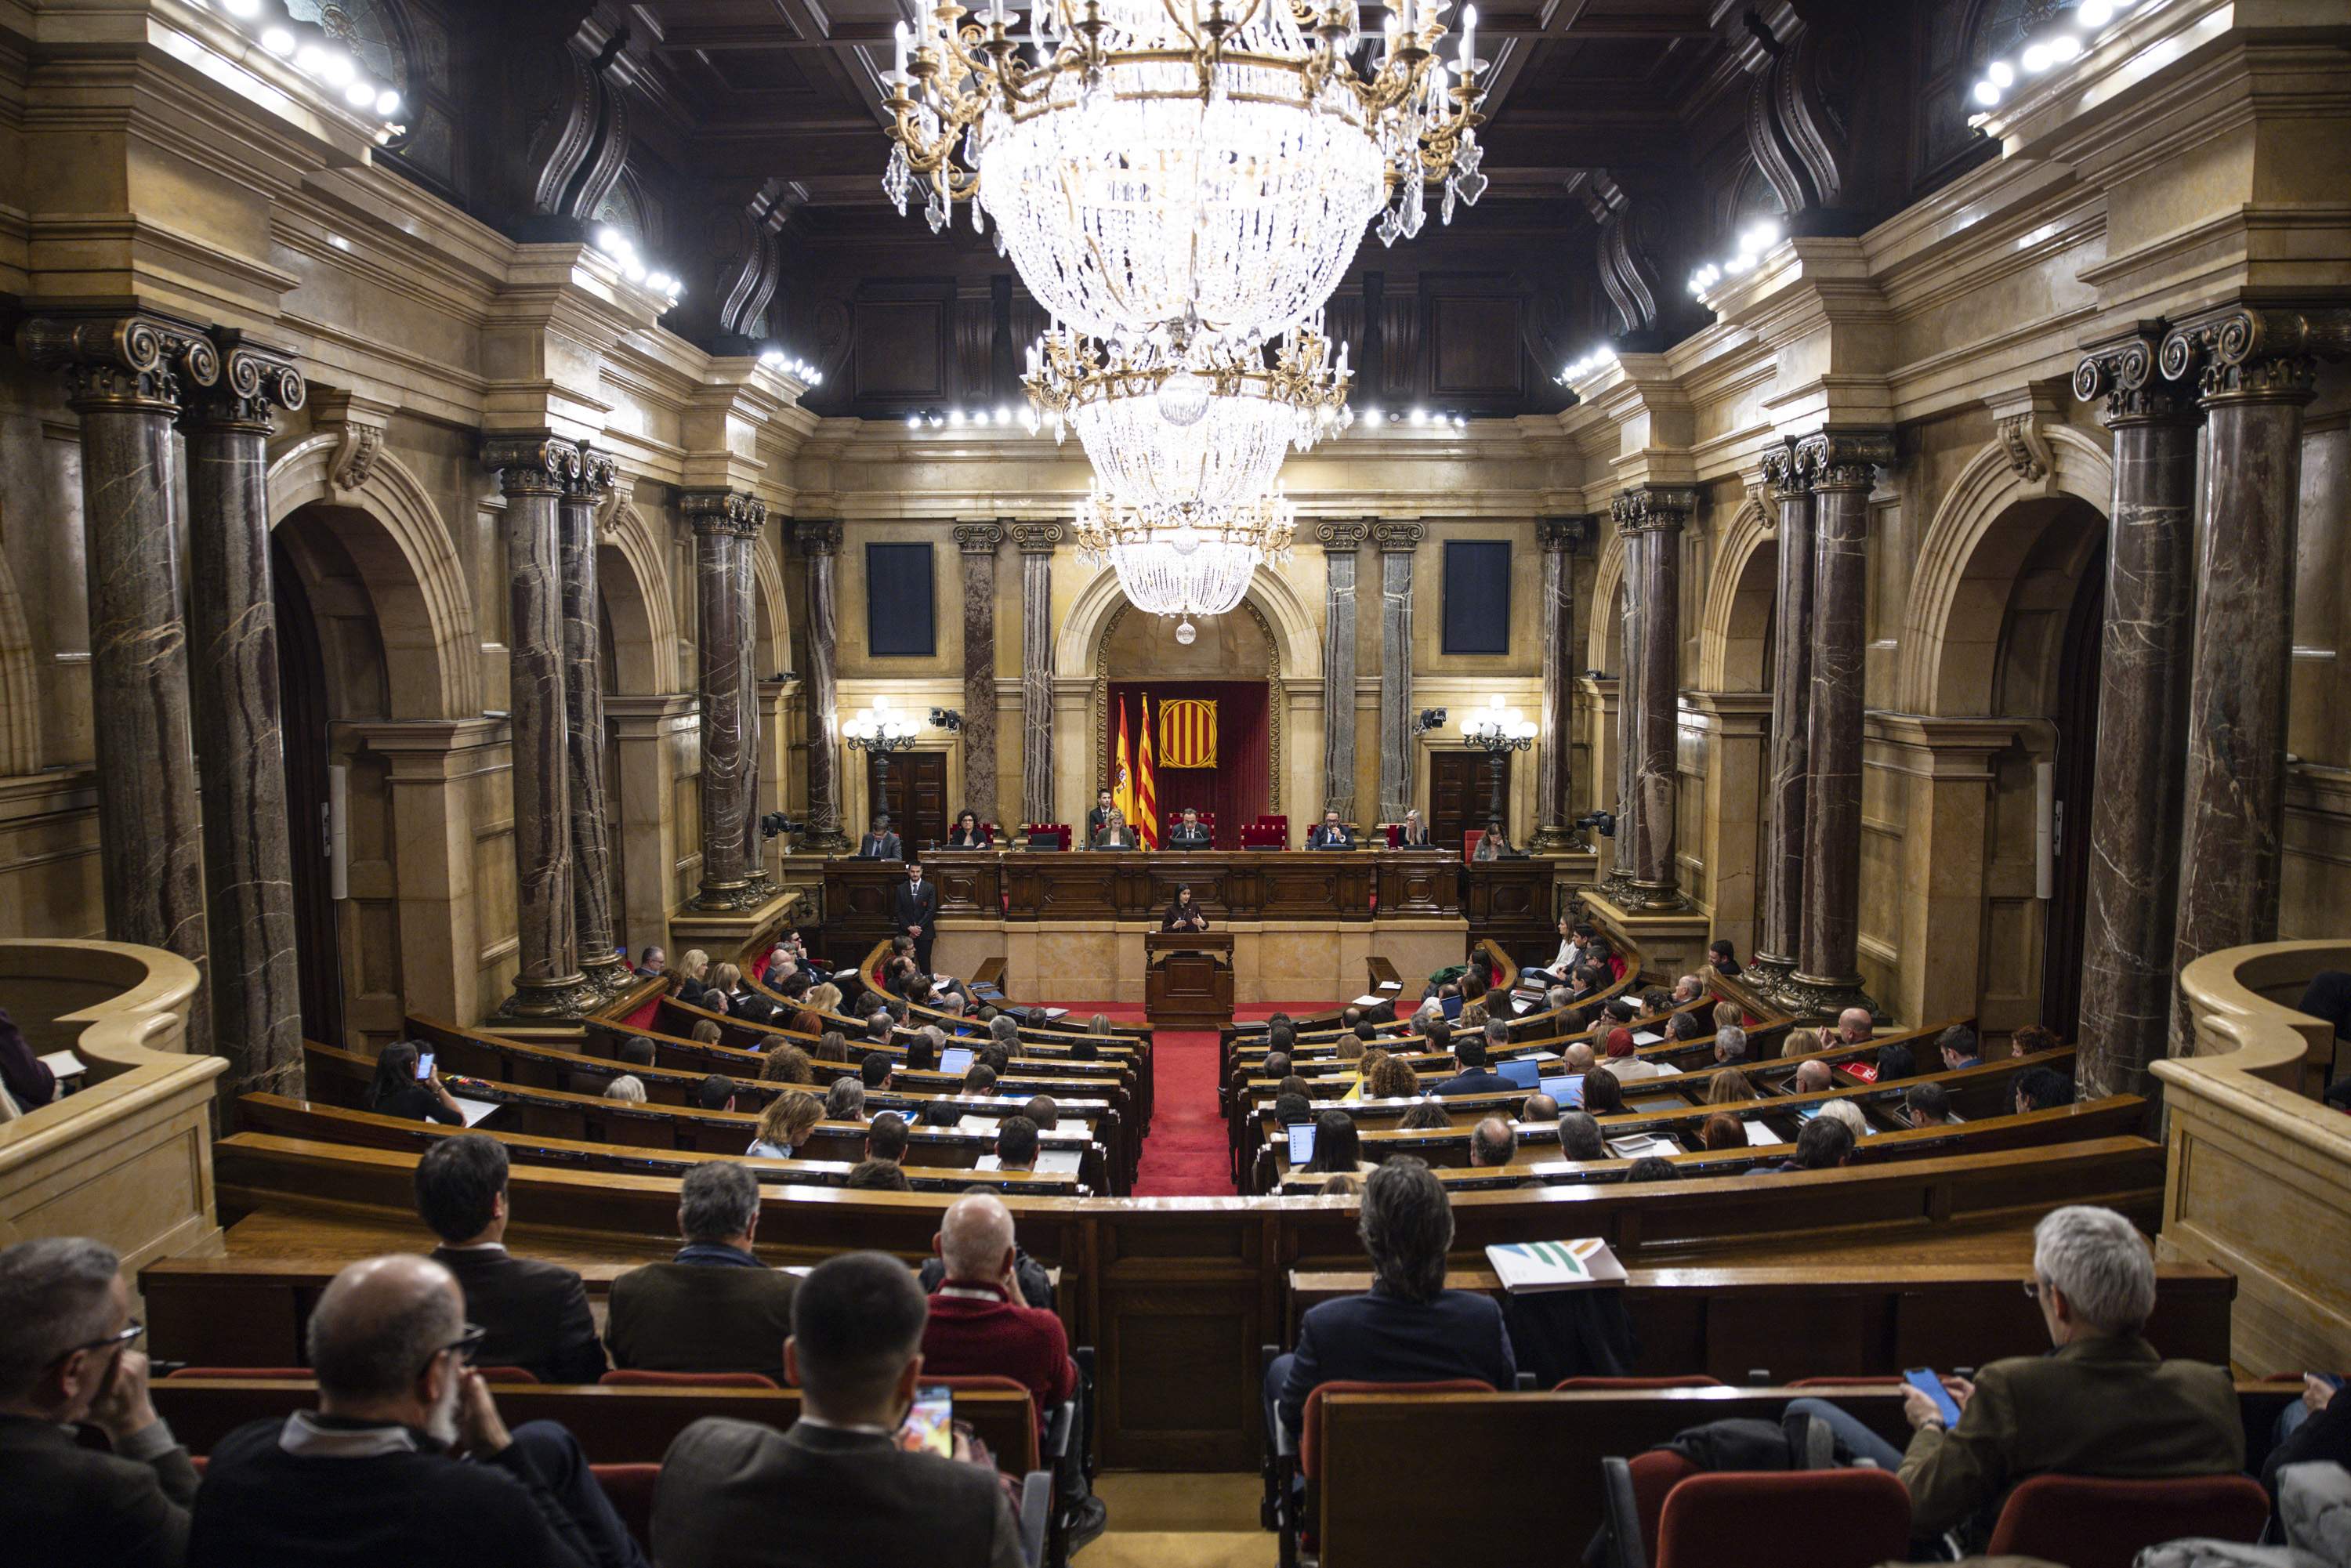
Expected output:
(1567, 1088)
(955, 1058)
(1523, 1071)
(1301, 1144)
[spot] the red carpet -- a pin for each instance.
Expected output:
(1185, 1156)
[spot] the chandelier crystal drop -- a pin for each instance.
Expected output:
(1199, 566)
(1148, 161)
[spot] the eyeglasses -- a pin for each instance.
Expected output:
(467, 1345)
(2032, 1289)
(119, 1340)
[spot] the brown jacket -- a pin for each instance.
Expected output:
(701, 1316)
(2107, 1408)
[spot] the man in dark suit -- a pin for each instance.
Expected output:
(834, 1487)
(914, 913)
(65, 1338)
(1330, 833)
(880, 843)
(715, 1307)
(1409, 1328)
(1191, 834)
(1106, 824)
(536, 1313)
(1470, 1049)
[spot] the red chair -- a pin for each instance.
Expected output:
(1690, 1380)
(1056, 834)
(634, 1378)
(630, 1489)
(2085, 1521)
(1664, 1513)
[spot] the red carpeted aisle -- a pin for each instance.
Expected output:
(1185, 1156)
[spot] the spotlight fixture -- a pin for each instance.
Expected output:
(793, 366)
(947, 718)
(1592, 365)
(1754, 241)
(624, 252)
(2089, 20)
(1431, 718)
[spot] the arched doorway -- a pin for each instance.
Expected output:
(302, 702)
(1230, 669)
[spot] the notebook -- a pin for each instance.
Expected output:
(1643, 1144)
(955, 1058)
(65, 1064)
(1526, 1267)
(473, 1110)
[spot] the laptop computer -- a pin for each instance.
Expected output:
(955, 1058)
(1301, 1144)
(1524, 1072)
(1567, 1088)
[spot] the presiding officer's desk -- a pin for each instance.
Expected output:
(1305, 921)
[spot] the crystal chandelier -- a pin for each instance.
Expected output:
(1179, 435)
(1200, 565)
(1154, 161)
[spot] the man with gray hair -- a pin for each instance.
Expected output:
(1688, 989)
(1579, 1136)
(1730, 1044)
(2103, 1403)
(1492, 1142)
(66, 1332)
(376, 1476)
(714, 1307)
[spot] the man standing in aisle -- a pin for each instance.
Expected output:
(914, 913)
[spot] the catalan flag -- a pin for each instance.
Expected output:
(1187, 733)
(1147, 794)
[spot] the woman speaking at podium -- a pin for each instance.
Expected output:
(1183, 914)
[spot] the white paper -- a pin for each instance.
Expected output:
(1058, 1162)
(986, 1163)
(1664, 1069)
(986, 1125)
(1389, 985)
(1760, 1137)
(1647, 1037)
(65, 1064)
(1056, 1012)
(1642, 1145)
(474, 1110)
(1373, 1000)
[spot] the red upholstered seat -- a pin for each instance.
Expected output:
(1687, 1380)
(630, 1377)
(2087, 1522)
(631, 1490)
(1773, 1519)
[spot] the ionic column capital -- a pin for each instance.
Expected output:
(2244, 353)
(1845, 459)
(1398, 538)
(1037, 539)
(729, 512)
(255, 380)
(1654, 508)
(1341, 538)
(138, 362)
(531, 463)
(979, 539)
(2125, 371)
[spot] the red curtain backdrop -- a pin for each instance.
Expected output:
(1239, 787)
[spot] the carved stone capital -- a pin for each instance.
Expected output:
(1845, 459)
(1781, 474)
(1037, 539)
(137, 363)
(1562, 536)
(979, 539)
(817, 536)
(1342, 537)
(532, 462)
(2124, 371)
(724, 512)
(1398, 538)
(1654, 508)
(597, 472)
(2256, 354)
(255, 380)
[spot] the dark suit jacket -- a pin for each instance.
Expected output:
(1196, 837)
(880, 847)
(733, 1494)
(63, 1503)
(537, 1314)
(1383, 1338)
(1475, 1081)
(1320, 838)
(689, 1316)
(912, 906)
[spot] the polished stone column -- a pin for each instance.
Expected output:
(1842, 466)
(1340, 543)
(124, 376)
(979, 542)
(725, 523)
(584, 493)
(2256, 370)
(820, 541)
(257, 975)
(1651, 520)
(1782, 929)
(1398, 774)
(1627, 810)
(2134, 892)
(1559, 539)
(533, 470)
(1036, 541)
(747, 722)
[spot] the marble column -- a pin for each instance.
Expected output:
(2134, 892)
(1399, 775)
(1781, 926)
(1842, 466)
(979, 542)
(748, 725)
(533, 470)
(1036, 542)
(725, 522)
(584, 492)
(124, 377)
(1626, 807)
(1651, 520)
(1340, 543)
(2256, 368)
(256, 976)
(1559, 539)
(820, 541)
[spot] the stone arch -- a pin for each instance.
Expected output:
(637, 610)
(404, 554)
(1969, 560)
(1604, 627)
(1297, 640)
(20, 695)
(1736, 621)
(772, 643)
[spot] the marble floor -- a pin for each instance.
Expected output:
(1180, 1521)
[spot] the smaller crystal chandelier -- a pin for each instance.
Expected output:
(1198, 564)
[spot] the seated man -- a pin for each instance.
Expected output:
(652, 962)
(1330, 833)
(2043, 1088)
(1408, 1328)
(1579, 1136)
(1724, 959)
(1959, 1048)
(65, 1361)
(1538, 1108)
(1813, 1078)
(1688, 989)
(874, 1070)
(1730, 1044)
(374, 1477)
(1927, 1105)
(1190, 833)
(977, 1330)
(715, 1307)
(536, 1314)
(1016, 1144)
(1041, 1109)
(1578, 1056)
(1493, 1142)
(834, 1487)
(880, 843)
(1474, 1078)
(886, 1137)
(1854, 1026)
(2103, 1404)
(1825, 1143)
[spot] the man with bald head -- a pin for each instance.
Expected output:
(1812, 1078)
(376, 1475)
(1579, 1058)
(1854, 1026)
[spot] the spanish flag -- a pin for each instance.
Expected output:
(1122, 783)
(1146, 795)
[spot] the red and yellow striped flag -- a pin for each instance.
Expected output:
(1122, 781)
(1187, 733)
(1147, 794)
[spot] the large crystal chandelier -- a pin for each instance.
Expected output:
(1150, 162)
(1199, 565)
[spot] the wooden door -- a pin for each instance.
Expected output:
(917, 796)
(1461, 793)
(302, 700)
(2076, 769)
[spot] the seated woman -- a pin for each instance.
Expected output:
(1337, 1147)
(1494, 844)
(1367, 1062)
(969, 833)
(785, 1125)
(788, 1064)
(1183, 914)
(692, 975)
(1428, 1117)
(397, 1091)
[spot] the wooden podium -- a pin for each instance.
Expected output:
(1188, 979)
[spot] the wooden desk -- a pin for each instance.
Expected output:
(1189, 982)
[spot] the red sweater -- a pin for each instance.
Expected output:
(971, 1338)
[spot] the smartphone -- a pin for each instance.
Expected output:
(423, 1065)
(929, 1427)
(1928, 1384)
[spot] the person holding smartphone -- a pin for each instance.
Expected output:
(406, 1085)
